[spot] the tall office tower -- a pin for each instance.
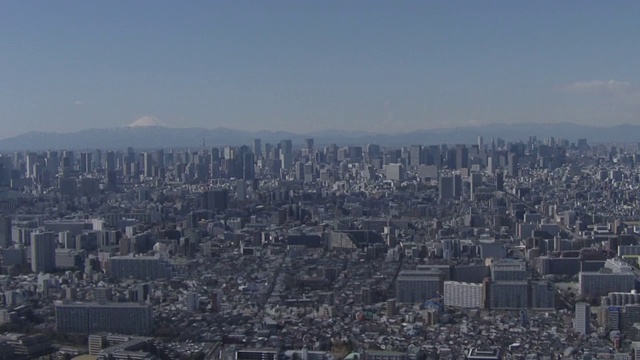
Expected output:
(230, 152)
(32, 160)
(512, 164)
(462, 156)
(160, 158)
(257, 148)
(215, 154)
(299, 171)
(373, 151)
(148, 164)
(7, 167)
(214, 167)
(308, 144)
(17, 159)
(5, 231)
(130, 156)
(266, 152)
(476, 182)
(492, 164)
(433, 156)
(112, 180)
(286, 147)
(286, 159)
(53, 162)
(480, 142)
(416, 155)
(43, 252)
(86, 162)
(196, 158)
(97, 159)
(355, 153)
(110, 161)
(248, 166)
(215, 200)
(67, 162)
(457, 186)
(395, 172)
(500, 181)
(446, 187)
(582, 321)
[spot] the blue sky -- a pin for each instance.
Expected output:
(313, 65)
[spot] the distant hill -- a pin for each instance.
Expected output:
(149, 135)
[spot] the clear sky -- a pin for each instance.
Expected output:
(313, 65)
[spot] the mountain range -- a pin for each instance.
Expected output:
(150, 135)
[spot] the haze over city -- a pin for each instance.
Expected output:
(301, 66)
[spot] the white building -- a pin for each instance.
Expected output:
(463, 295)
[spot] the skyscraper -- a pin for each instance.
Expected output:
(462, 156)
(257, 148)
(416, 155)
(248, 167)
(43, 252)
(5, 231)
(110, 161)
(32, 159)
(148, 164)
(216, 200)
(476, 182)
(286, 147)
(309, 144)
(582, 321)
(446, 187)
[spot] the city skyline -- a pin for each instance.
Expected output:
(309, 66)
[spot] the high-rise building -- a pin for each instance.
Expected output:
(216, 199)
(248, 166)
(462, 156)
(476, 182)
(446, 187)
(110, 160)
(457, 186)
(286, 147)
(582, 321)
(32, 160)
(148, 164)
(5, 231)
(43, 252)
(257, 148)
(309, 144)
(500, 181)
(86, 162)
(416, 155)
(395, 172)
